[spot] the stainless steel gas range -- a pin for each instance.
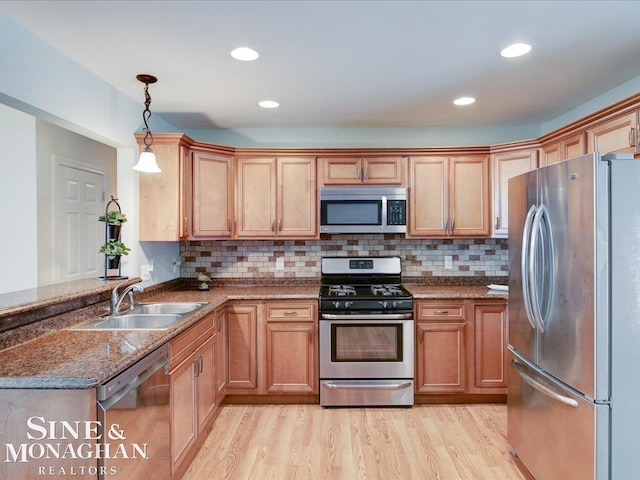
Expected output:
(366, 333)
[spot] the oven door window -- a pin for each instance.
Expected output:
(351, 212)
(366, 343)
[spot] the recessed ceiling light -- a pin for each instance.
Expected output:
(269, 104)
(464, 101)
(516, 50)
(244, 54)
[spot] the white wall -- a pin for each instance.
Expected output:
(37, 79)
(18, 199)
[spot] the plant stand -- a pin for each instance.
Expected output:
(111, 232)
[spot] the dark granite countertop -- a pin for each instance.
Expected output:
(74, 359)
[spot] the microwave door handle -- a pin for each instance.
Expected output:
(384, 211)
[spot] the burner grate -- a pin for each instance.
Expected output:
(342, 290)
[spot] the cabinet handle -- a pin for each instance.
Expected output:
(446, 227)
(366, 174)
(310, 336)
(291, 313)
(453, 225)
(421, 335)
(497, 225)
(280, 225)
(637, 135)
(229, 225)
(197, 363)
(273, 225)
(441, 312)
(631, 132)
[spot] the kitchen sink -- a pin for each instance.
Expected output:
(144, 316)
(166, 307)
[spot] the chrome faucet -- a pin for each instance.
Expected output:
(116, 299)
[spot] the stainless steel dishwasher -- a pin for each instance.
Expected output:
(133, 410)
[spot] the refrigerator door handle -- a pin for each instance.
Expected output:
(524, 265)
(542, 388)
(536, 228)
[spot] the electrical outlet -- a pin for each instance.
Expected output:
(145, 272)
(280, 263)
(448, 262)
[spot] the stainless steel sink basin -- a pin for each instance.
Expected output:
(145, 316)
(166, 307)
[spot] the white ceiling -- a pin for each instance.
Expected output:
(347, 63)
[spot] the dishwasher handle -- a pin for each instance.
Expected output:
(114, 389)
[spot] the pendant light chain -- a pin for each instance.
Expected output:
(146, 115)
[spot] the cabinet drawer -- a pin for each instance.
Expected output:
(189, 341)
(441, 310)
(294, 312)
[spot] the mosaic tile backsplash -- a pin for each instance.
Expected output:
(242, 259)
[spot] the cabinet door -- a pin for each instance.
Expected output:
(490, 346)
(242, 347)
(341, 170)
(505, 166)
(186, 194)
(212, 195)
(573, 146)
(615, 136)
(551, 153)
(297, 198)
(256, 208)
(205, 371)
(428, 196)
(291, 352)
(441, 357)
(383, 171)
(469, 196)
(220, 324)
(184, 428)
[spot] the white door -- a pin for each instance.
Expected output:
(78, 235)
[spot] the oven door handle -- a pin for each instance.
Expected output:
(381, 317)
(391, 386)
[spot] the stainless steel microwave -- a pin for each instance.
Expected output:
(363, 210)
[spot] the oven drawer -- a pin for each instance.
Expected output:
(440, 310)
(343, 393)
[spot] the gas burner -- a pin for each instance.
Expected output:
(342, 290)
(386, 290)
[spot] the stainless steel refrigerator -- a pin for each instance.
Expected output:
(574, 318)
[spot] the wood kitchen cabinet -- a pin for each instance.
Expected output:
(165, 197)
(242, 348)
(192, 390)
(490, 347)
(365, 170)
(505, 165)
(441, 357)
(568, 147)
(213, 195)
(291, 347)
(615, 135)
(222, 359)
(449, 196)
(277, 197)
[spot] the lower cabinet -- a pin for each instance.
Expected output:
(192, 384)
(441, 347)
(461, 346)
(291, 348)
(242, 348)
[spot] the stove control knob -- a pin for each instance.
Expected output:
(394, 304)
(383, 304)
(336, 304)
(347, 304)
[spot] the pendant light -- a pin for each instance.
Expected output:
(147, 161)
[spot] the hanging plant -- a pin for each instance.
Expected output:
(114, 248)
(114, 217)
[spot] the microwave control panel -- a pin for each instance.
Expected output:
(396, 212)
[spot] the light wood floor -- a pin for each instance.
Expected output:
(306, 441)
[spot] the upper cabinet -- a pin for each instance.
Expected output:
(449, 196)
(505, 165)
(568, 147)
(213, 198)
(165, 197)
(615, 135)
(277, 197)
(358, 170)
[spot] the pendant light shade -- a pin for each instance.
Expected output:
(147, 162)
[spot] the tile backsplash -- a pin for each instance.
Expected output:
(246, 259)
